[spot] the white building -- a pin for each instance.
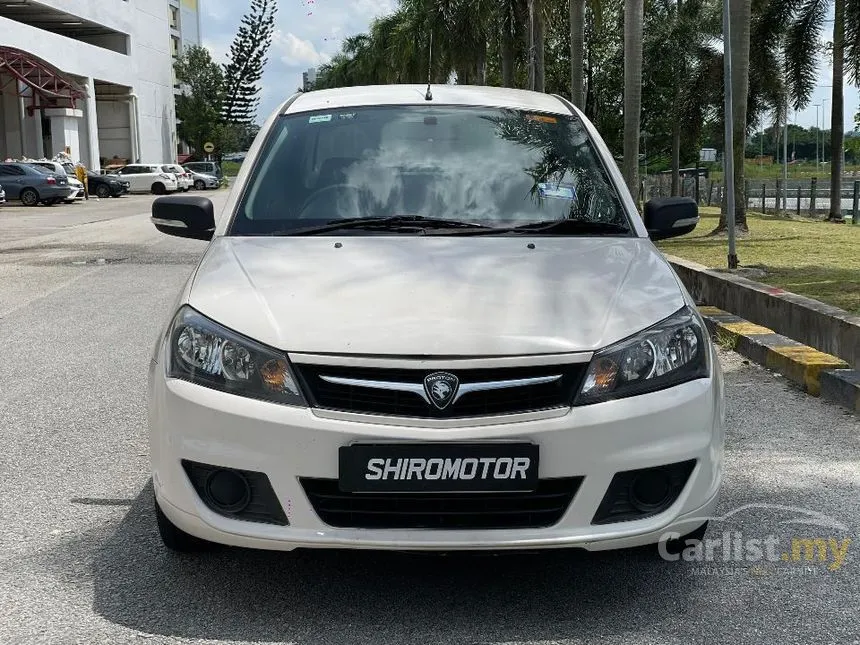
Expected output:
(309, 78)
(92, 77)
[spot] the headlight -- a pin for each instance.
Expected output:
(204, 352)
(671, 352)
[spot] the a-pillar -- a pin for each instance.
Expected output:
(65, 134)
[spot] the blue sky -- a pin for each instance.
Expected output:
(303, 41)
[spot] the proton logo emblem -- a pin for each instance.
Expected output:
(441, 388)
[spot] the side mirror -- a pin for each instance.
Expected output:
(184, 216)
(667, 217)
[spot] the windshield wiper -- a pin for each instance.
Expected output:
(570, 227)
(393, 223)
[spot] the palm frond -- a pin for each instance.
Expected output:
(802, 48)
(852, 40)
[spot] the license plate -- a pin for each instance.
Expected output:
(438, 467)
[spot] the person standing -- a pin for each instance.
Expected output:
(81, 174)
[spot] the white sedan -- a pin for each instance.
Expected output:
(432, 322)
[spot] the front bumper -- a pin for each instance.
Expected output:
(189, 422)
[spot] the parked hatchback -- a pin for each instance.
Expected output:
(149, 178)
(183, 178)
(32, 185)
(432, 323)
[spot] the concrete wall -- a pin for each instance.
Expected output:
(189, 22)
(824, 327)
(147, 68)
(11, 111)
(114, 129)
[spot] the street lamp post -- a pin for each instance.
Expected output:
(817, 163)
(823, 128)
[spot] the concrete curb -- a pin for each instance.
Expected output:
(817, 373)
(815, 323)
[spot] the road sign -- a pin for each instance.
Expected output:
(208, 147)
(708, 154)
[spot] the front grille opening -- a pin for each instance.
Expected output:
(538, 509)
(239, 494)
(638, 494)
(512, 400)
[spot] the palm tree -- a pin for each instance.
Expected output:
(801, 51)
(577, 49)
(633, 16)
(740, 52)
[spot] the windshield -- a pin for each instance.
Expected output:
(492, 167)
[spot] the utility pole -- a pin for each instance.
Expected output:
(823, 128)
(785, 161)
(817, 132)
(729, 154)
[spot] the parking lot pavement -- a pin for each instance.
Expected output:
(81, 562)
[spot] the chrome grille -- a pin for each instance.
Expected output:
(401, 392)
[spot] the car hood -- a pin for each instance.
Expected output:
(464, 296)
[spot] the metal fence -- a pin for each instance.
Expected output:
(803, 197)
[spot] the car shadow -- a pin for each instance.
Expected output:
(368, 596)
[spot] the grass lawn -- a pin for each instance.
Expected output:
(812, 258)
(752, 171)
(230, 168)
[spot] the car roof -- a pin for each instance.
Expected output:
(466, 95)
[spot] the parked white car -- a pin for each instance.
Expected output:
(433, 324)
(149, 178)
(202, 181)
(183, 178)
(76, 188)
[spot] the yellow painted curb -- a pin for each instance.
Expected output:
(798, 363)
(746, 329)
(802, 365)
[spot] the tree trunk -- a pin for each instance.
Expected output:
(740, 47)
(577, 45)
(680, 72)
(507, 51)
(481, 65)
(530, 42)
(633, 14)
(540, 54)
(676, 158)
(837, 116)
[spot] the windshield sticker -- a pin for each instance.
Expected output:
(346, 116)
(542, 118)
(560, 191)
(320, 118)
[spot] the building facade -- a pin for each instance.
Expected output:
(309, 78)
(92, 78)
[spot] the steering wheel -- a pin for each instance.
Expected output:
(335, 193)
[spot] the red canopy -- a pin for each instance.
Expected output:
(55, 88)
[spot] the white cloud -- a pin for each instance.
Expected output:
(301, 40)
(296, 52)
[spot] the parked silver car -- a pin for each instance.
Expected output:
(202, 181)
(33, 185)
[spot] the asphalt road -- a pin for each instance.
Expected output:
(83, 291)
